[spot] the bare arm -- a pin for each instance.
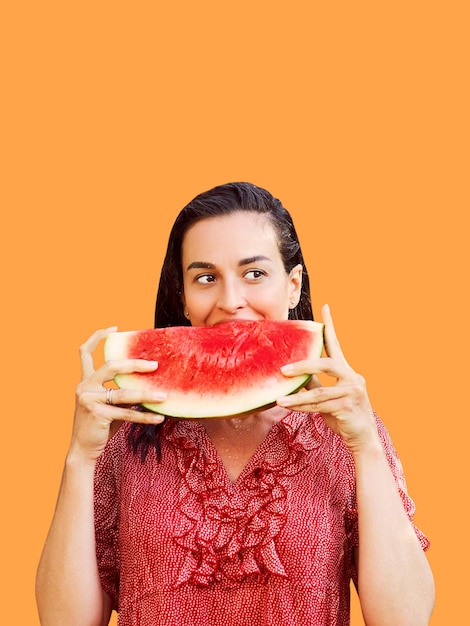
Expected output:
(395, 582)
(68, 587)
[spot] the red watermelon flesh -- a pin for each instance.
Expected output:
(221, 370)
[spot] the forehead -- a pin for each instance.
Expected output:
(241, 232)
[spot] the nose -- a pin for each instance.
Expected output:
(231, 297)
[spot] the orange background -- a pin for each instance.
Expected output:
(355, 114)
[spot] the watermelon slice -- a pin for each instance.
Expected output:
(220, 370)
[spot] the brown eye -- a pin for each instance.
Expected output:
(205, 279)
(255, 274)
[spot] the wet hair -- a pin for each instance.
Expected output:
(219, 201)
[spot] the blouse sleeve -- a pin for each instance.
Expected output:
(107, 521)
(398, 474)
(397, 470)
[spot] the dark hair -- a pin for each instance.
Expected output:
(221, 200)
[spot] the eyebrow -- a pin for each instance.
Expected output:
(211, 266)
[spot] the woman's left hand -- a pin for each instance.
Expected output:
(345, 406)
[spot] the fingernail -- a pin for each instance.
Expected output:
(283, 401)
(152, 364)
(286, 369)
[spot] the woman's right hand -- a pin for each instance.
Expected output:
(95, 420)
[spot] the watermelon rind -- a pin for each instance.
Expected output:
(216, 402)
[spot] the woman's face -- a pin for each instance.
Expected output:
(232, 269)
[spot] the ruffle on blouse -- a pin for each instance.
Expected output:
(228, 531)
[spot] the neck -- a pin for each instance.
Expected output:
(247, 421)
(237, 438)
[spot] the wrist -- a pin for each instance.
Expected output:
(369, 448)
(77, 459)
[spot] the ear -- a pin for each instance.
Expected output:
(183, 303)
(295, 285)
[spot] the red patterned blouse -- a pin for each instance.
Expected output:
(179, 544)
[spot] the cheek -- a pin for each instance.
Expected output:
(273, 303)
(198, 302)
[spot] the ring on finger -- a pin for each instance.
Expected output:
(109, 396)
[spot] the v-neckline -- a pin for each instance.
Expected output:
(247, 468)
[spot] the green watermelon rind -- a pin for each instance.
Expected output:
(205, 414)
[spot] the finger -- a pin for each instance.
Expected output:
(301, 367)
(130, 397)
(109, 370)
(325, 365)
(314, 398)
(332, 345)
(324, 408)
(88, 347)
(135, 415)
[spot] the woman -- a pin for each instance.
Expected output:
(255, 520)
